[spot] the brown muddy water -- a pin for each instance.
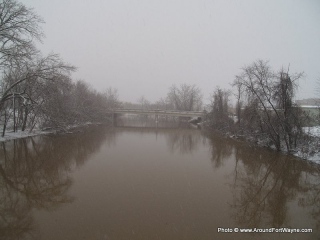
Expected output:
(152, 183)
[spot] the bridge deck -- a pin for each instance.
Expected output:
(160, 112)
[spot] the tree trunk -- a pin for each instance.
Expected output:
(14, 115)
(24, 123)
(4, 124)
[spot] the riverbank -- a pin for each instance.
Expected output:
(308, 149)
(11, 135)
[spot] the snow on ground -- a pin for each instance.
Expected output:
(311, 151)
(312, 131)
(315, 157)
(9, 135)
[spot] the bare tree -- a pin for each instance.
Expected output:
(219, 114)
(56, 108)
(23, 71)
(239, 94)
(112, 98)
(19, 26)
(36, 90)
(144, 103)
(163, 104)
(269, 96)
(317, 91)
(27, 84)
(185, 98)
(318, 88)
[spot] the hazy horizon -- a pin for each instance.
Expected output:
(143, 47)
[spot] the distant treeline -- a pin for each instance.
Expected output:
(264, 113)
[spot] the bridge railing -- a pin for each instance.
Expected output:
(155, 111)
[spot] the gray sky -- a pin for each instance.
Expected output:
(142, 47)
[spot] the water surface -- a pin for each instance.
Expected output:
(151, 183)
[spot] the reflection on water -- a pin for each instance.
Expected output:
(221, 150)
(184, 141)
(267, 189)
(34, 174)
(151, 183)
(145, 121)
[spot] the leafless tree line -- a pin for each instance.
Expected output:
(265, 104)
(264, 110)
(219, 116)
(37, 90)
(185, 97)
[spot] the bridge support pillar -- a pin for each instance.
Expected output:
(114, 119)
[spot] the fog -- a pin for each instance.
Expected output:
(142, 47)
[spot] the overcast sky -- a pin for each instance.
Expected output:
(142, 47)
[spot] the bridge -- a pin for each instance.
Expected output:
(158, 112)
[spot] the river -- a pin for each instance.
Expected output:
(152, 183)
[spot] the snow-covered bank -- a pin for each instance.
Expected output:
(311, 150)
(308, 147)
(312, 131)
(9, 135)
